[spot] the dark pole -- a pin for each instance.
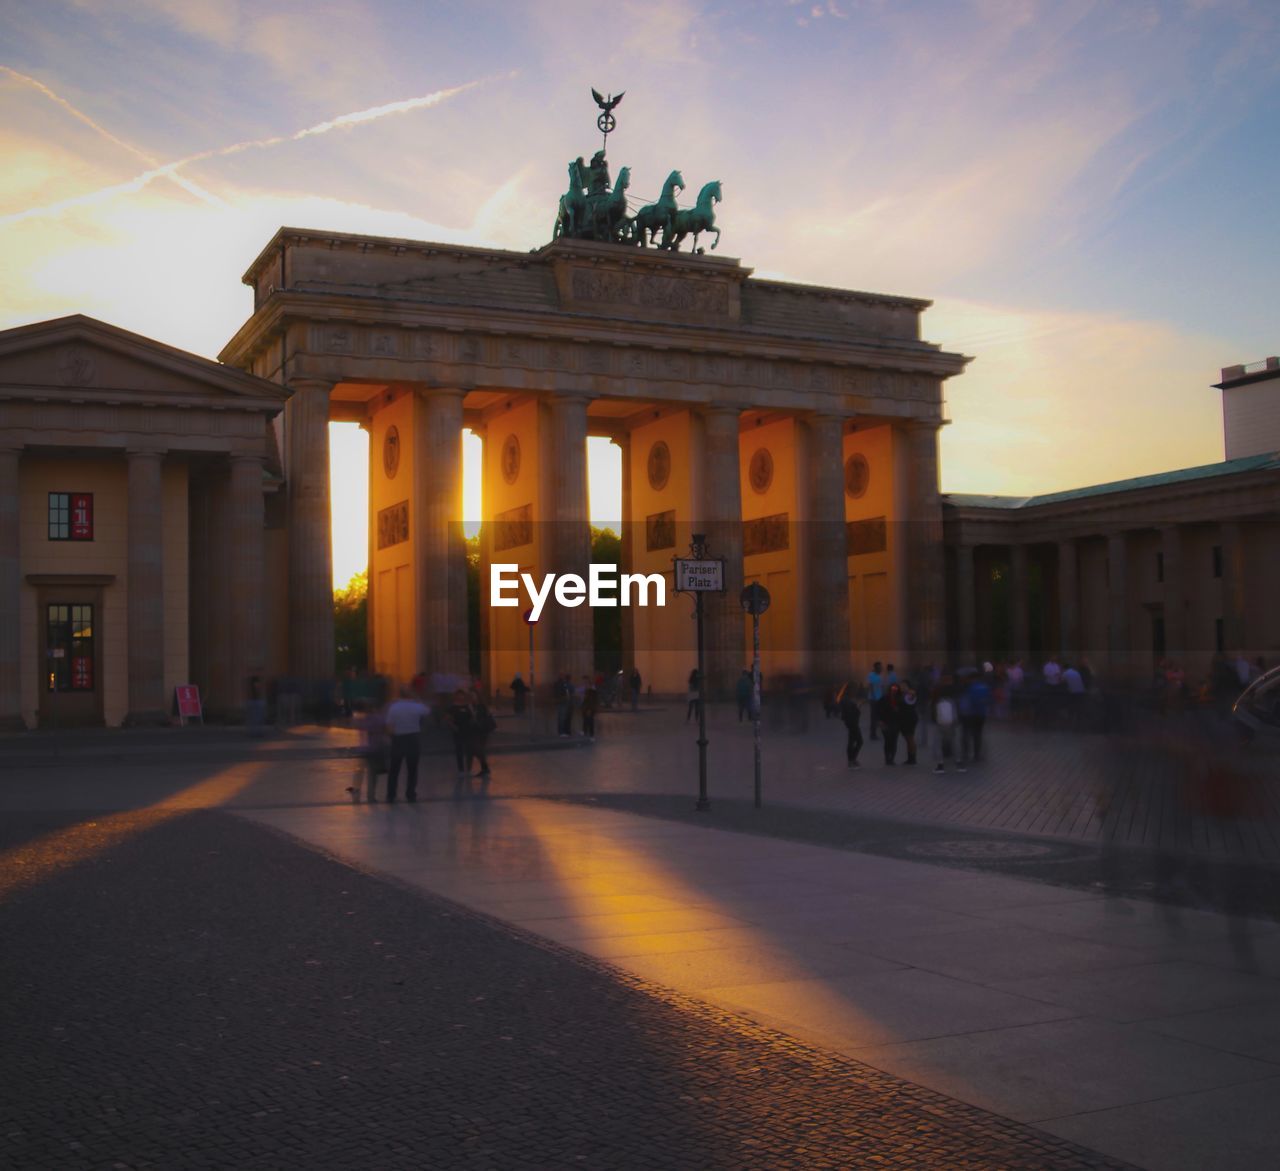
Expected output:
(755, 695)
(703, 804)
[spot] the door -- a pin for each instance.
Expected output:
(70, 656)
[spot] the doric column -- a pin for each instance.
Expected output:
(724, 641)
(370, 604)
(310, 525)
(10, 592)
(435, 518)
(627, 529)
(1068, 600)
(1175, 604)
(245, 559)
(145, 608)
(569, 538)
(1020, 632)
(966, 641)
(1233, 587)
(1118, 605)
(925, 561)
(828, 569)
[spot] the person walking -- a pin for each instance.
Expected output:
(694, 679)
(563, 692)
(590, 706)
(373, 749)
(908, 720)
(888, 714)
(636, 682)
(461, 719)
(477, 741)
(875, 692)
(404, 718)
(944, 713)
(975, 702)
(851, 717)
(519, 693)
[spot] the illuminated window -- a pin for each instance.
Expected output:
(71, 516)
(69, 646)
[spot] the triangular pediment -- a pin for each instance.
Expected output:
(85, 359)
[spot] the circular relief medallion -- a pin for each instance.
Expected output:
(857, 475)
(760, 470)
(659, 465)
(510, 459)
(391, 452)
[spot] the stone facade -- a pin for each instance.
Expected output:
(1176, 566)
(133, 549)
(537, 351)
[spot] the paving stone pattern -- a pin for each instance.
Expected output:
(210, 994)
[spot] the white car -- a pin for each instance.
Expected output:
(1258, 708)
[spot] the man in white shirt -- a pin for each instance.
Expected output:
(404, 718)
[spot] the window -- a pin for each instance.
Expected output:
(1159, 567)
(69, 646)
(1217, 561)
(71, 516)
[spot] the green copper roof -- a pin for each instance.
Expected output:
(1230, 467)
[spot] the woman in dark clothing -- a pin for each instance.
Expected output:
(851, 717)
(461, 719)
(908, 718)
(888, 717)
(482, 723)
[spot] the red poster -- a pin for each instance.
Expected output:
(82, 516)
(81, 673)
(188, 695)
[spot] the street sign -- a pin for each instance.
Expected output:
(187, 697)
(755, 599)
(704, 576)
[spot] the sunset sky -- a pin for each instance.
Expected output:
(1087, 191)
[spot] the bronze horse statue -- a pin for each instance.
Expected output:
(609, 212)
(573, 204)
(653, 216)
(697, 220)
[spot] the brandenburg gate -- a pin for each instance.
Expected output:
(796, 426)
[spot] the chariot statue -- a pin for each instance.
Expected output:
(593, 208)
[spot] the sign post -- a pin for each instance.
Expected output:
(698, 575)
(531, 622)
(755, 601)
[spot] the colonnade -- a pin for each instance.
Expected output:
(439, 641)
(1093, 589)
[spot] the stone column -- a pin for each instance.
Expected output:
(435, 522)
(1019, 610)
(828, 568)
(145, 605)
(1234, 635)
(627, 532)
(925, 561)
(723, 640)
(370, 622)
(569, 537)
(1068, 600)
(245, 555)
(1118, 606)
(966, 613)
(310, 618)
(1175, 604)
(10, 592)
